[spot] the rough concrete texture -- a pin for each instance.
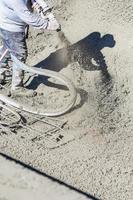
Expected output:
(16, 182)
(95, 153)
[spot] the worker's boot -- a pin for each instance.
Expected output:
(17, 88)
(23, 92)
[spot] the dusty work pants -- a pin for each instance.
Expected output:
(15, 42)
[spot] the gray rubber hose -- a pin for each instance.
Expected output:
(48, 73)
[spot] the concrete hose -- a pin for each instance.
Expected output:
(48, 73)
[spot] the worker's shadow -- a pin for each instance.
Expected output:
(87, 52)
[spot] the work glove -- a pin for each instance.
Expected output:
(52, 23)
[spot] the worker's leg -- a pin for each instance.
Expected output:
(18, 48)
(15, 42)
(5, 61)
(18, 73)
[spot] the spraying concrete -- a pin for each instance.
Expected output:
(95, 152)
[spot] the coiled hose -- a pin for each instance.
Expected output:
(48, 73)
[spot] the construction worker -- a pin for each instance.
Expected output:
(15, 15)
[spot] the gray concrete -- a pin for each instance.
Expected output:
(17, 182)
(95, 152)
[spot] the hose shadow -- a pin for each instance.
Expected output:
(87, 195)
(83, 98)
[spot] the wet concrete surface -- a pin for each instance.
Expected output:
(95, 153)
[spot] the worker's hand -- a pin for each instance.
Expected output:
(53, 23)
(36, 7)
